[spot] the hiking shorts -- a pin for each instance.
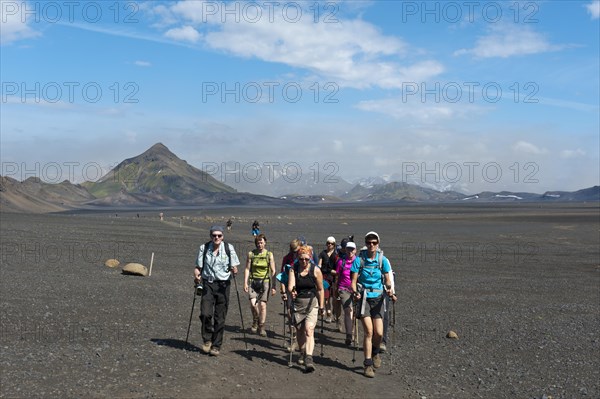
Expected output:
(346, 298)
(371, 307)
(259, 296)
(306, 310)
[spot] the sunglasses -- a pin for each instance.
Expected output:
(304, 259)
(330, 243)
(371, 242)
(217, 235)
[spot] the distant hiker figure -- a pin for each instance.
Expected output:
(258, 282)
(215, 264)
(368, 290)
(255, 228)
(229, 223)
(162, 216)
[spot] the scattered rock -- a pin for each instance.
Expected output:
(451, 334)
(112, 263)
(136, 269)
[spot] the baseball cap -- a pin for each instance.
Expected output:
(372, 234)
(350, 244)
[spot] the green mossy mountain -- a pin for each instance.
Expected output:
(157, 172)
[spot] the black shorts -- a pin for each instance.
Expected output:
(371, 307)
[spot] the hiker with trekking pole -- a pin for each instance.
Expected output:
(287, 262)
(343, 287)
(327, 261)
(216, 265)
(371, 277)
(305, 284)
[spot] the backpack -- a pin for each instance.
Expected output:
(257, 285)
(362, 255)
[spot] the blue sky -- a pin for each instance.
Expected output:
(467, 95)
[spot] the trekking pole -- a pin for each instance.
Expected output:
(240, 306)
(322, 334)
(191, 315)
(393, 338)
(290, 364)
(284, 323)
(355, 333)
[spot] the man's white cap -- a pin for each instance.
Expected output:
(372, 233)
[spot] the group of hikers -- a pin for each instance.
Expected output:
(342, 284)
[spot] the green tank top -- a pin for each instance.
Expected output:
(259, 265)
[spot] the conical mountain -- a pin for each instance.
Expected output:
(159, 175)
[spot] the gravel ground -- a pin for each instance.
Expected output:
(519, 284)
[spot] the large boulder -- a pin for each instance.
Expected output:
(136, 269)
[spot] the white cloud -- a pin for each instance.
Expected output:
(185, 33)
(338, 146)
(567, 154)
(506, 40)
(594, 9)
(418, 111)
(143, 63)
(528, 148)
(37, 101)
(11, 25)
(352, 53)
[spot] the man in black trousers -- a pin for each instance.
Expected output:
(214, 265)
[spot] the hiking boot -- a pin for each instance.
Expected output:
(369, 371)
(301, 359)
(206, 347)
(214, 351)
(348, 341)
(254, 327)
(262, 332)
(309, 366)
(382, 348)
(377, 361)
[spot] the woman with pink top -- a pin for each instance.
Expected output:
(343, 286)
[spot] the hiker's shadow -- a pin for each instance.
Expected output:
(252, 353)
(176, 344)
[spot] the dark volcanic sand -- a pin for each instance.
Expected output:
(520, 284)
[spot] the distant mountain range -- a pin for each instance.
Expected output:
(159, 178)
(281, 180)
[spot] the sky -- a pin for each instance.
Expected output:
(466, 95)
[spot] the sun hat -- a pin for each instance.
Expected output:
(331, 239)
